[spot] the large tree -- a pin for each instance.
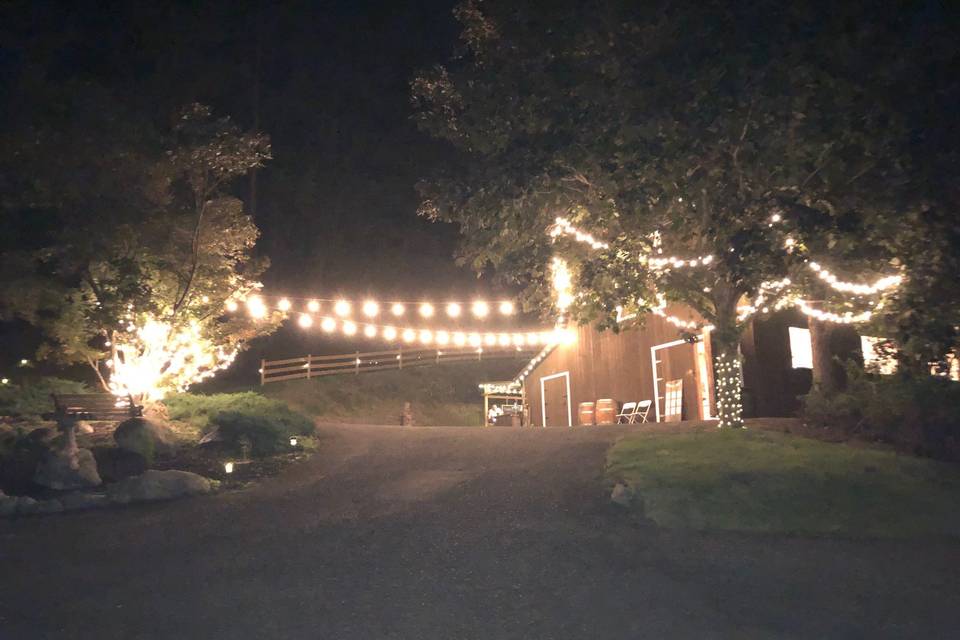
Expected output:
(123, 244)
(746, 141)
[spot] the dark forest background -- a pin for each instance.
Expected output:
(329, 83)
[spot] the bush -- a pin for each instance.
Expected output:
(266, 423)
(919, 415)
(32, 399)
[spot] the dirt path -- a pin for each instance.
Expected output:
(451, 533)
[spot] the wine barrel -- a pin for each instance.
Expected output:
(606, 411)
(586, 413)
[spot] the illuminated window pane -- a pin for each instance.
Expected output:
(801, 349)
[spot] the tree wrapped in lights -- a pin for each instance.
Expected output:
(145, 251)
(670, 139)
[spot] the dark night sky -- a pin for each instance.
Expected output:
(328, 81)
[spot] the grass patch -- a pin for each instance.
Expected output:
(444, 395)
(763, 481)
(267, 423)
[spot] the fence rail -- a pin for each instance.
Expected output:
(311, 366)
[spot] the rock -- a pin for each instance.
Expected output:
(83, 500)
(84, 427)
(115, 464)
(158, 485)
(26, 505)
(622, 495)
(8, 504)
(60, 470)
(211, 437)
(147, 437)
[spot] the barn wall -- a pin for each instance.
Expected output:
(617, 365)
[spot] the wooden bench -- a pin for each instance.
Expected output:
(70, 407)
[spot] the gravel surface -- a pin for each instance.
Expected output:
(451, 533)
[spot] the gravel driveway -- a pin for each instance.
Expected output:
(451, 533)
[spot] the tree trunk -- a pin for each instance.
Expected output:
(831, 344)
(727, 382)
(827, 375)
(727, 372)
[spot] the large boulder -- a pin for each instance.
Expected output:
(158, 485)
(62, 469)
(147, 437)
(116, 464)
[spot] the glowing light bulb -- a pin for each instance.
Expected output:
(389, 333)
(480, 309)
(342, 308)
(284, 304)
(506, 308)
(305, 320)
(503, 340)
(313, 306)
(459, 339)
(443, 337)
(329, 325)
(453, 310)
(426, 310)
(518, 340)
(349, 328)
(409, 335)
(370, 308)
(533, 338)
(490, 339)
(256, 308)
(426, 336)
(232, 305)
(370, 331)
(397, 309)
(475, 340)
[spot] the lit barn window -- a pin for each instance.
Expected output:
(874, 359)
(801, 349)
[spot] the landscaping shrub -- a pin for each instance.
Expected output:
(266, 423)
(29, 400)
(920, 415)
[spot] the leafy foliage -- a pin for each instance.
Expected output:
(114, 225)
(917, 414)
(690, 125)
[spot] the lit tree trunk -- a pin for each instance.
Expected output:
(726, 365)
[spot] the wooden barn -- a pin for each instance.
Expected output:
(652, 361)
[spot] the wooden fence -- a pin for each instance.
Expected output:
(315, 366)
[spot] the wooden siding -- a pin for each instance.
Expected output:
(618, 365)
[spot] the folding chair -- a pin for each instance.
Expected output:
(643, 408)
(626, 412)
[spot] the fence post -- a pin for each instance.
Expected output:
(308, 366)
(357, 363)
(438, 356)
(400, 357)
(263, 367)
